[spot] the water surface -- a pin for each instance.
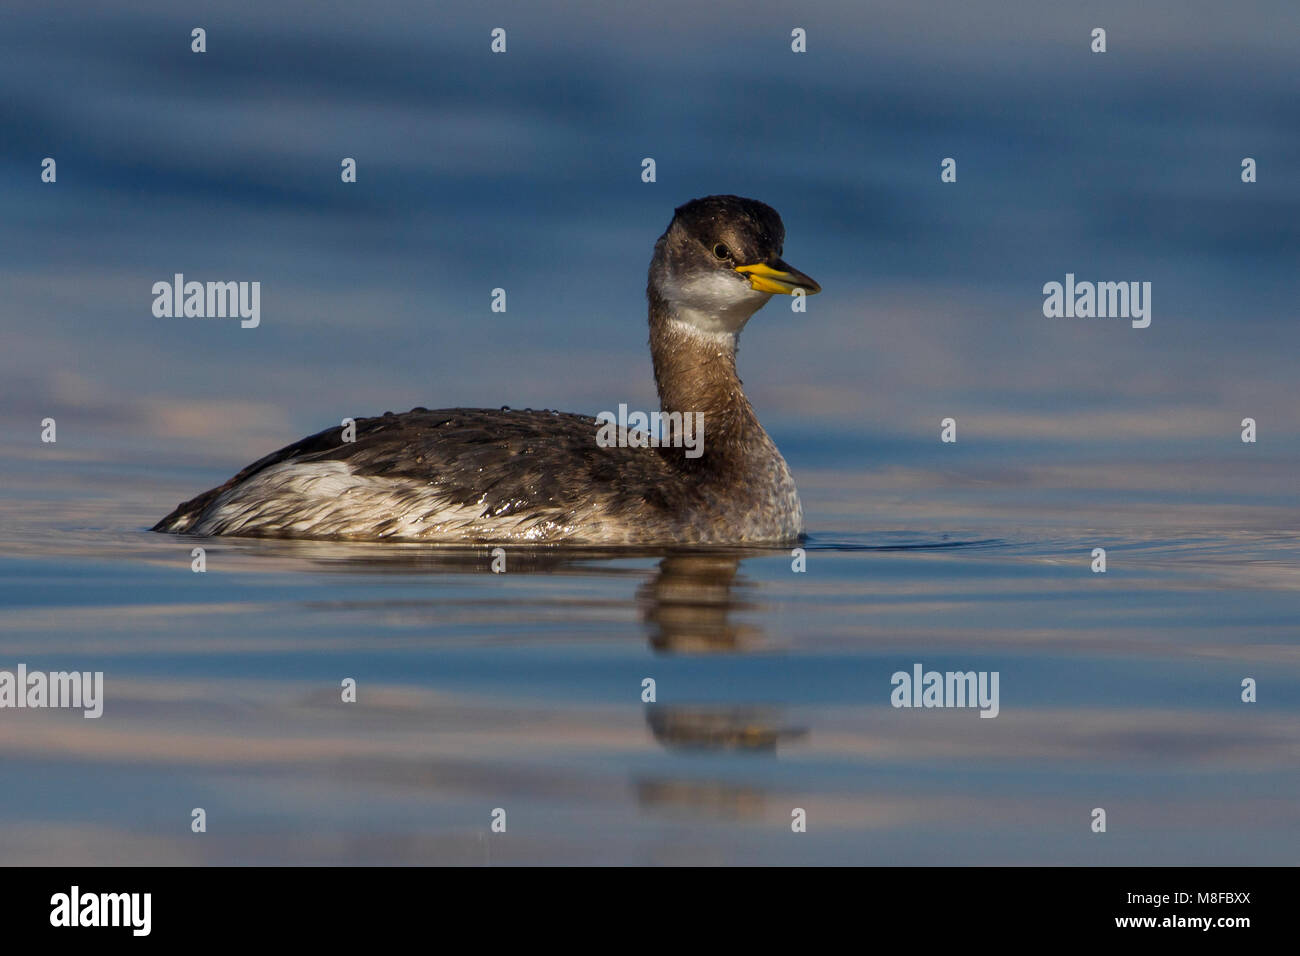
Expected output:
(522, 690)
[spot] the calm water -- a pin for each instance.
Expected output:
(522, 690)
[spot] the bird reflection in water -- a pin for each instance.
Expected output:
(690, 606)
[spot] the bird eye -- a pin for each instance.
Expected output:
(721, 251)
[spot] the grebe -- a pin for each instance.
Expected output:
(479, 475)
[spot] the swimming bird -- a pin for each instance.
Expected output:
(484, 475)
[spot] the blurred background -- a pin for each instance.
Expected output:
(523, 171)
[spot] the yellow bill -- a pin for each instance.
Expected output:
(779, 278)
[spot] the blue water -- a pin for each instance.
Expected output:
(522, 690)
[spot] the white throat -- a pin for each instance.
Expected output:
(689, 327)
(712, 305)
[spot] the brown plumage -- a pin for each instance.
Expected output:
(487, 475)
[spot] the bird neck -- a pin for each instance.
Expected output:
(695, 371)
